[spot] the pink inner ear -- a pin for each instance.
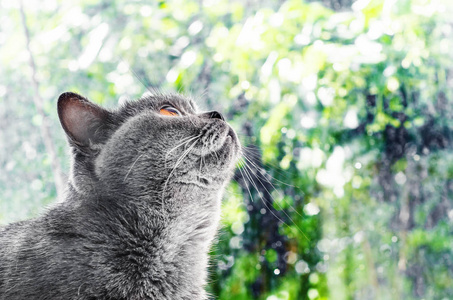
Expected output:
(79, 120)
(79, 117)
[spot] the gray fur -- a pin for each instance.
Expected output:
(141, 207)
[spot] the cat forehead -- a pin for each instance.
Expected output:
(155, 102)
(182, 102)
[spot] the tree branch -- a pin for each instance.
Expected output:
(38, 102)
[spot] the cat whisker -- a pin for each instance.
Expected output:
(191, 121)
(248, 175)
(184, 142)
(246, 185)
(151, 89)
(252, 154)
(215, 153)
(132, 166)
(261, 171)
(204, 161)
(201, 159)
(276, 202)
(185, 153)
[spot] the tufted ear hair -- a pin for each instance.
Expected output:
(85, 123)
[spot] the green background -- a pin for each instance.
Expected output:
(344, 110)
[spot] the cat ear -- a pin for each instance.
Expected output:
(82, 120)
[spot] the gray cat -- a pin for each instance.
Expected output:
(142, 205)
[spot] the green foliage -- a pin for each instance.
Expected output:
(351, 110)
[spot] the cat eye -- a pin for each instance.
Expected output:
(169, 111)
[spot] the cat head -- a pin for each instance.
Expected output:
(156, 149)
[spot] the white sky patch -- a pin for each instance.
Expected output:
(310, 98)
(106, 53)
(351, 120)
(302, 39)
(122, 100)
(311, 209)
(172, 75)
(291, 134)
(360, 5)
(30, 152)
(308, 120)
(124, 83)
(246, 33)
(188, 58)
(236, 242)
(400, 178)
(146, 11)
(310, 82)
(250, 35)
(310, 158)
(266, 69)
(302, 267)
(36, 185)
(195, 27)
(371, 52)
(450, 214)
(123, 67)
(357, 25)
(2, 90)
(359, 237)
(393, 84)
(73, 65)
(125, 43)
(180, 44)
(326, 95)
(96, 39)
(218, 57)
(325, 245)
(276, 20)
(53, 35)
(291, 257)
(274, 91)
(237, 227)
(245, 85)
(389, 71)
(334, 175)
(284, 67)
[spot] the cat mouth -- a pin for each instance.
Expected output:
(199, 181)
(231, 132)
(232, 138)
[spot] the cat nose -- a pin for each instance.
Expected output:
(216, 115)
(213, 115)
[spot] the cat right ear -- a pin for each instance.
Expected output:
(83, 121)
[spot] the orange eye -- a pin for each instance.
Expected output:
(169, 111)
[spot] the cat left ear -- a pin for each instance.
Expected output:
(82, 120)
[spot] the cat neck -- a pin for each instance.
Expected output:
(169, 250)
